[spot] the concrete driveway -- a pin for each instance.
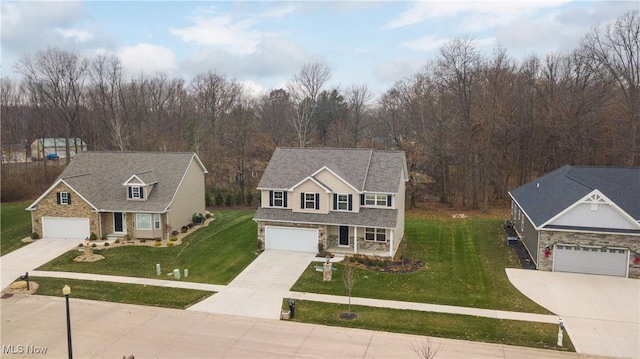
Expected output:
(601, 313)
(32, 256)
(258, 291)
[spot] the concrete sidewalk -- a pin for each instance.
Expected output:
(113, 330)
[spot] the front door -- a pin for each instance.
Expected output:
(118, 222)
(344, 236)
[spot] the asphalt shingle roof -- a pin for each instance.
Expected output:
(99, 178)
(545, 197)
(364, 169)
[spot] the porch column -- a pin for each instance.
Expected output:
(355, 240)
(391, 243)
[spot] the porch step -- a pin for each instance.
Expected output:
(112, 237)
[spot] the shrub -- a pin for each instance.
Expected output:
(170, 244)
(117, 240)
(142, 240)
(80, 245)
(35, 235)
(93, 237)
(184, 229)
(106, 244)
(208, 215)
(157, 244)
(239, 198)
(250, 198)
(173, 239)
(174, 232)
(94, 245)
(228, 200)
(191, 224)
(218, 198)
(157, 239)
(207, 196)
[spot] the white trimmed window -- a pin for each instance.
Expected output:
(372, 199)
(143, 221)
(156, 220)
(343, 202)
(63, 198)
(310, 200)
(375, 234)
(278, 199)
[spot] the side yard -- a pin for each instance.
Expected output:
(16, 224)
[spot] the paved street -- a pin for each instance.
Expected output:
(111, 330)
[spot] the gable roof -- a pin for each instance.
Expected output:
(365, 170)
(99, 177)
(547, 196)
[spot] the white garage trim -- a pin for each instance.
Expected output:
(591, 260)
(291, 239)
(65, 227)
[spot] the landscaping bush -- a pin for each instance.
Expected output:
(93, 237)
(228, 200)
(35, 235)
(173, 239)
(184, 229)
(157, 244)
(239, 198)
(117, 240)
(94, 245)
(218, 198)
(174, 232)
(106, 244)
(170, 244)
(250, 198)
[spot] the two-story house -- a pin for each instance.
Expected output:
(117, 194)
(342, 200)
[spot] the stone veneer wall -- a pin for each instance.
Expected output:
(549, 238)
(48, 207)
(322, 231)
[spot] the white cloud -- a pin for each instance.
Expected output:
(77, 35)
(397, 69)
(427, 43)
(148, 59)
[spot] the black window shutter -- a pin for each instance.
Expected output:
(270, 198)
(58, 197)
(317, 200)
(351, 202)
(362, 200)
(68, 197)
(284, 198)
(302, 200)
(389, 201)
(141, 192)
(130, 193)
(335, 201)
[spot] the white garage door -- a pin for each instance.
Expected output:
(291, 239)
(591, 260)
(62, 227)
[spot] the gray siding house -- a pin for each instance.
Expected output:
(344, 200)
(117, 194)
(582, 220)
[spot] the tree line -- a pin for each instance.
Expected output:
(473, 125)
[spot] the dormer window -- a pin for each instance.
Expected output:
(136, 192)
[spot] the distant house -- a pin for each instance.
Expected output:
(343, 200)
(582, 220)
(15, 153)
(117, 194)
(43, 147)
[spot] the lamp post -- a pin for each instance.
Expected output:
(66, 291)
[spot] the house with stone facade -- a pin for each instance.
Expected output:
(348, 201)
(117, 194)
(582, 220)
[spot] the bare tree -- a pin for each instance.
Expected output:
(617, 48)
(358, 97)
(347, 280)
(274, 113)
(304, 89)
(425, 349)
(58, 78)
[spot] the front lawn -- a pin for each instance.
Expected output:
(465, 261)
(16, 224)
(453, 326)
(122, 292)
(214, 254)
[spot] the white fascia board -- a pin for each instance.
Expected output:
(126, 183)
(310, 178)
(583, 199)
(56, 183)
(336, 175)
(197, 159)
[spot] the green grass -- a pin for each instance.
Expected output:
(465, 262)
(122, 292)
(214, 254)
(464, 327)
(16, 224)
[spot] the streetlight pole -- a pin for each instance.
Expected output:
(66, 291)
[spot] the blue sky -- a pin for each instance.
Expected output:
(264, 43)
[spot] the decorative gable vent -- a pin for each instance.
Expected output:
(594, 200)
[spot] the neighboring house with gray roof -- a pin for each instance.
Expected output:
(581, 219)
(116, 194)
(346, 200)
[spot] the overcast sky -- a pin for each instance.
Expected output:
(263, 44)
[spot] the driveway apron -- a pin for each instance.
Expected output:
(600, 313)
(258, 291)
(31, 256)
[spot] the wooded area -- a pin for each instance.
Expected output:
(472, 125)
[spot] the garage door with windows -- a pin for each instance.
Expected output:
(63, 227)
(591, 260)
(291, 239)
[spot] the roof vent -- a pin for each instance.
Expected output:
(537, 184)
